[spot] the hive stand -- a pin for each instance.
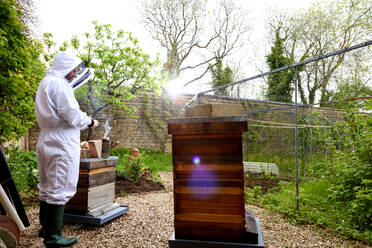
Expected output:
(7, 182)
(208, 177)
(94, 201)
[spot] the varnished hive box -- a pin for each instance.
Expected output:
(208, 178)
(96, 185)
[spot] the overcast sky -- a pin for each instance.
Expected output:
(73, 17)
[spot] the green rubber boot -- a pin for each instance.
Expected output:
(43, 206)
(53, 227)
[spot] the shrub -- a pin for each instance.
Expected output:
(338, 194)
(134, 169)
(353, 182)
(361, 206)
(23, 166)
(21, 70)
(128, 167)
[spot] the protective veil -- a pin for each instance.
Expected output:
(60, 120)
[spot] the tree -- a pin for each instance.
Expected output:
(350, 90)
(20, 73)
(220, 77)
(323, 28)
(121, 70)
(28, 17)
(353, 78)
(280, 83)
(282, 54)
(186, 29)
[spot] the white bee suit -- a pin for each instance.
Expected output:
(60, 120)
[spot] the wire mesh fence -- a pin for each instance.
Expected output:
(286, 138)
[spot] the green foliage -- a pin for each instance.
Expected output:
(134, 169)
(322, 139)
(316, 207)
(119, 152)
(121, 68)
(349, 90)
(252, 195)
(156, 113)
(49, 44)
(279, 84)
(123, 155)
(123, 194)
(220, 77)
(20, 72)
(151, 160)
(24, 169)
(155, 120)
(352, 184)
(284, 161)
(361, 205)
(357, 129)
(252, 137)
(325, 27)
(129, 168)
(338, 194)
(156, 160)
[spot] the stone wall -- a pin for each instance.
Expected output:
(133, 130)
(146, 127)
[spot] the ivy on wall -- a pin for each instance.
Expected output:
(156, 113)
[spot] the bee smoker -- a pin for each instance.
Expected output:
(106, 146)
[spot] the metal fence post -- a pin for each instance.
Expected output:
(296, 135)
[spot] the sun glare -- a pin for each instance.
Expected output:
(175, 87)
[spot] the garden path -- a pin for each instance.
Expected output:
(149, 223)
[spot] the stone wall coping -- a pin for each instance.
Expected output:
(208, 119)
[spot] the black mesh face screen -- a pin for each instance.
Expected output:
(83, 76)
(81, 69)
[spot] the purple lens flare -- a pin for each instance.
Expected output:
(201, 181)
(196, 159)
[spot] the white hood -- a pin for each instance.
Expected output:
(64, 63)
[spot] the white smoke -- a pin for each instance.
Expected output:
(107, 128)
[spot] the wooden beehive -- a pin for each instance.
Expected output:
(208, 178)
(96, 185)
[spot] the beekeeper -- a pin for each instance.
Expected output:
(58, 148)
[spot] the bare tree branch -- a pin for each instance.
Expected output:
(319, 30)
(185, 30)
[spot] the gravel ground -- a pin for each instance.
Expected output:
(149, 223)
